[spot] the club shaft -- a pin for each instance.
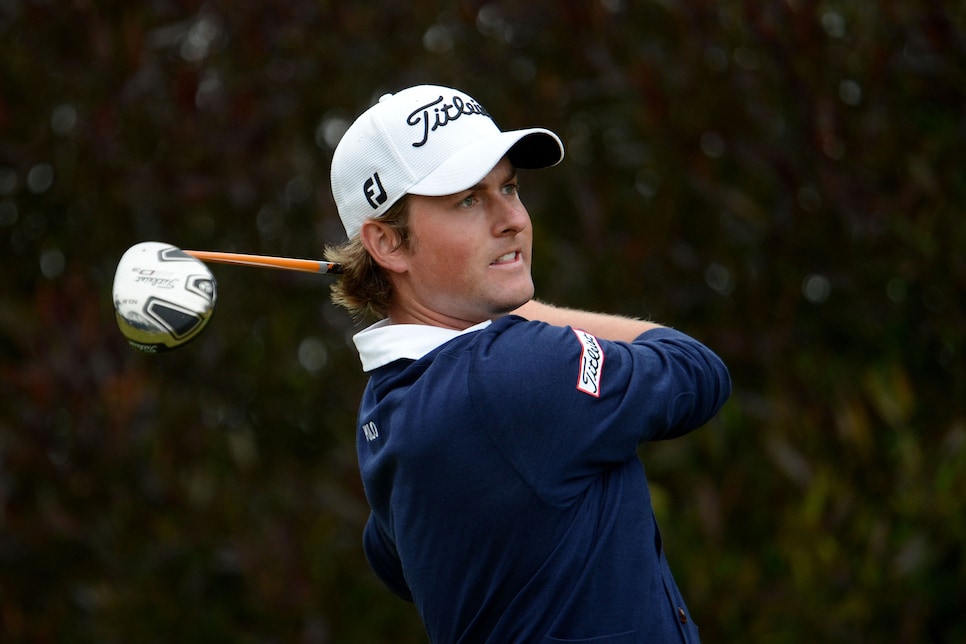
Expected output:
(267, 261)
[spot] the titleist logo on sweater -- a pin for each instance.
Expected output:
(591, 364)
(437, 114)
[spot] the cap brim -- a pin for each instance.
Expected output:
(527, 149)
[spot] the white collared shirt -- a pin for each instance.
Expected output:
(384, 342)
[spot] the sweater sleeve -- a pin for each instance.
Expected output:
(562, 405)
(697, 381)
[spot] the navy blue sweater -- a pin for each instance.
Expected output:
(507, 498)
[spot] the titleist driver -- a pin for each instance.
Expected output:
(164, 296)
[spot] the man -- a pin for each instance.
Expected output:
(498, 435)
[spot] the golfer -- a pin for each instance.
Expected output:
(498, 435)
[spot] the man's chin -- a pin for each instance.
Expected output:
(512, 305)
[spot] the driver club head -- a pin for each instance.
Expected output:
(163, 297)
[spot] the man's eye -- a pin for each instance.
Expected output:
(511, 188)
(468, 202)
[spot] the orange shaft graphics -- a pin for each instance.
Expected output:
(267, 261)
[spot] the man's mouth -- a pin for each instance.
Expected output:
(507, 258)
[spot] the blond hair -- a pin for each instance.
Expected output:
(364, 289)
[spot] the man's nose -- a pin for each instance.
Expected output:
(511, 216)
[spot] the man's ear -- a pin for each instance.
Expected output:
(384, 245)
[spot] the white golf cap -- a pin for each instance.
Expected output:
(425, 140)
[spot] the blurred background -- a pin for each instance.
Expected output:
(784, 181)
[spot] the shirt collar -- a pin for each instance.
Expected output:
(383, 342)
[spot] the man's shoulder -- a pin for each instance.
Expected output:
(517, 340)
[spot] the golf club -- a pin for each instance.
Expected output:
(164, 296)
(267, 261)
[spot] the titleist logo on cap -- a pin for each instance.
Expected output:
(402, 145)
(442, 115)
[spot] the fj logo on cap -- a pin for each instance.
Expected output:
(375, 193)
